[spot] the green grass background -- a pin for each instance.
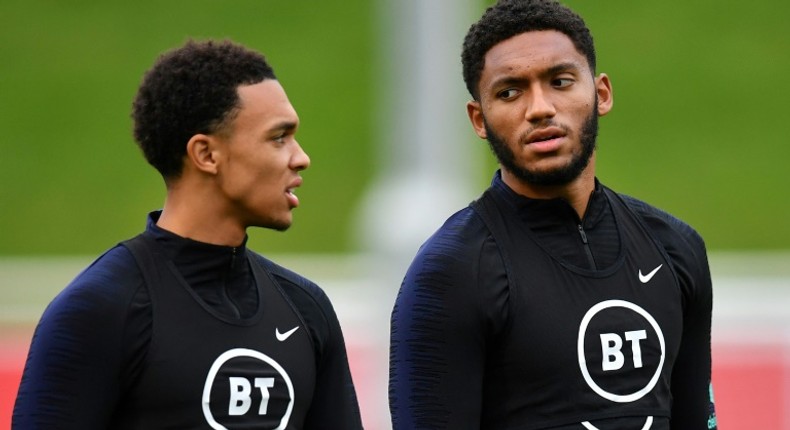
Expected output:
(698, 127)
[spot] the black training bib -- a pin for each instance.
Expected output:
(204, 370)
(581, 345)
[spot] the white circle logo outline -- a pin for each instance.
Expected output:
(243, 352)
(619, 398)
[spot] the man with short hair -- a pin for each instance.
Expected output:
(183, 326)
(551, 302)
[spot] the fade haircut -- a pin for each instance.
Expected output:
(508, 18)
(191, 90)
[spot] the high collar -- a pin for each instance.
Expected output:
(176, 245)
(185, 252)
(219, 275)
(547, 213)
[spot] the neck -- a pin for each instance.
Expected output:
(191, 214)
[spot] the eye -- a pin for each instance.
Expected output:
(562, 82)
(508, 93)
(280, 138)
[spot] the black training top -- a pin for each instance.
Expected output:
(93, 345)
(538, 320)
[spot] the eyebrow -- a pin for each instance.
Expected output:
(563, 67)
(284, 126)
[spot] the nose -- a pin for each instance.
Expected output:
(299, 160)
(540, 106)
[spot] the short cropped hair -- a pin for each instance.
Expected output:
(508, 18)
(191, 90)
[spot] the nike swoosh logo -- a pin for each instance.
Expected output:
(282, 336)
(646, 278)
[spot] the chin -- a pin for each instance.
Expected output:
(281, 227)
(278, 225)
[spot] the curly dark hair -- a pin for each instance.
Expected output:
(191, 90)
(509, 18)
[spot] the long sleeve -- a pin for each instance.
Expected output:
(446, 310)
(335, 401)
(72, 377)
(692, 391)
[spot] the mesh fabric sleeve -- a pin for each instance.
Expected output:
(74, 370)
(452, 299)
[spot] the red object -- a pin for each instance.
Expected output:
(751, 385)
(14, 344)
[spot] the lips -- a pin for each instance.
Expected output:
(289, 192)
(545, 134)
(547, 140)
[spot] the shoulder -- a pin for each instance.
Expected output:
(305, 293)
(94, 309)
(458, 270)
(308, 299)
(672, 232)
(683, 245)
(104, 288)
(455, 248)
(79, 348)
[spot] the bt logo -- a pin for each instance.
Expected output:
(240, 390)
(247, 389)
(611, 347)
(620, 366)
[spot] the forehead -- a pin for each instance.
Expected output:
(533, 51)
(265, 102)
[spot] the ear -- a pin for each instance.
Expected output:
(605, 96)
(201, 153)
(475, 111)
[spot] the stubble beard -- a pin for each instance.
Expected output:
(559, 176)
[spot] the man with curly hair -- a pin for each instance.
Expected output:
(551, 302)
(183, 326)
